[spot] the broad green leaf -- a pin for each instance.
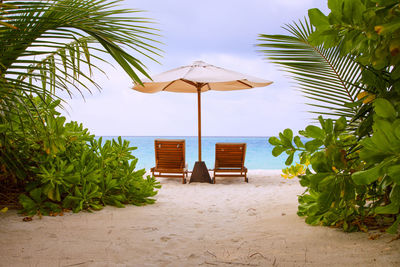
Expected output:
(288, 133)
(313, 145)
(335, 5)
(29, 205)
(96, 206)
(285, 141)
(393, 229)
(381, 141)
(383, 108)
(320, 35)
(395, 194)
(298, 142)
(353, 11)
(367, 177)
(325, 200)
(340, 124)
(36, 195)
(374, 156)
(385, 2)
(51, 194)
(327, 184)
(397, 131)
(390, 27)
(319, 162)
(313, 220)
(392, 208)
(317, 18)
(315, 132)
(289, 160)
(328, 128)
(3, 128)
(395, 74)
(316, 178)
(274, 141)
(57, 193)
(335, 17)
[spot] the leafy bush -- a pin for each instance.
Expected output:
(349, 184)
(353, 177)
(330, 197)
(381, 155)
(69, 168)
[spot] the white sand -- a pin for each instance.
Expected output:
(230, 223)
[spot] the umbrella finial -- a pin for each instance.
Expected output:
(199, 63)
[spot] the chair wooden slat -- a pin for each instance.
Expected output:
(170, 159)
(229, 158)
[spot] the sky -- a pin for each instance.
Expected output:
(222, 33)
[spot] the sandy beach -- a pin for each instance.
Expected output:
(231, 223)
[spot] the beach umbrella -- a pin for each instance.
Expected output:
(197, 78)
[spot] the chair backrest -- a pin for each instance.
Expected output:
(230, 155)
(170, 154)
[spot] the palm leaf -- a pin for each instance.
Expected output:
(328, 79)
(50, 46)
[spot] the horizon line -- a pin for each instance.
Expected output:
(184, 135)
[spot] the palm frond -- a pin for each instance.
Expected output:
(324, 76)
(49, 46)
(41, 27)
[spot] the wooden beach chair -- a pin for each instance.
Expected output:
(229, 160)
(170, 159)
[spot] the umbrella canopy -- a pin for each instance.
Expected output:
(197, 78)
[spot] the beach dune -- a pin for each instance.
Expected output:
(231, 223)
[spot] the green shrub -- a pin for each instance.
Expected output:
(63, 166)
(349, 184)
(348, 63)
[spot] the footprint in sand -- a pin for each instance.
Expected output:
(213, 210)
(252, 212)
(165, 238)
(193, 256)
(150, 229)
(52, 235)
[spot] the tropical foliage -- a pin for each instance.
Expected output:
(75, 171)
(323, 75)
(352, 178)
(49, 47)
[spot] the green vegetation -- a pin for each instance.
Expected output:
(51, 46)
(348, 64)
(78, 172)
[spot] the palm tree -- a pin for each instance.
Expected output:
(325, 76)
(49, 46)
(46, 45)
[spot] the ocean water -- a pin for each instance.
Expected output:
(258, 152)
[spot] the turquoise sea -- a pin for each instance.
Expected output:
(258, 154)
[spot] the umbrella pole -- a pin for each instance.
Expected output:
(200, 171)
(199, 119)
